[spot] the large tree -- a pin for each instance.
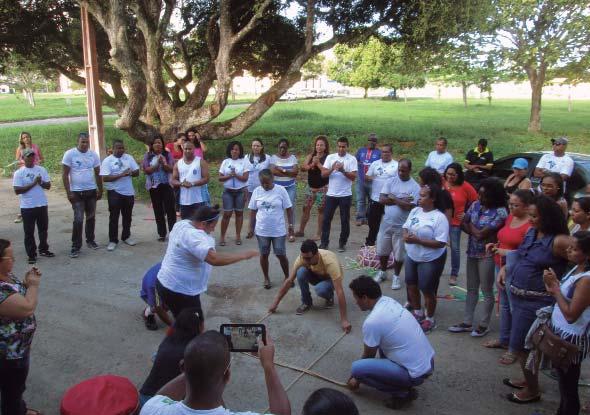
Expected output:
(536, 37)
(200, 44)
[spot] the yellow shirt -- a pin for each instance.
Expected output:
(327, 266)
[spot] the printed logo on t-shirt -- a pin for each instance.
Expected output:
(266, 206)
(552, 164)
(195, 172)
(30, 176)
(414, 221)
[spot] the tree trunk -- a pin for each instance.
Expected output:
(570, 104)
(405, 96)
(536, 95)
(464, 92)
(438, 92)
(490, 96)
(366, 93)
(30, 97)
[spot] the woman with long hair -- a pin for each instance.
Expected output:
(158, 165)
(544, 247)
(463, 195)
(233, 173)
(171, 352)
(175, 149)
(482, 221)
(430, 177)
(18, 302)
(317, 186)
(509, 238)
(258, 161)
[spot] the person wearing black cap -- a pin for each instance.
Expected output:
(186, 266)
(557, 161)
(29, 181)
(478, 162)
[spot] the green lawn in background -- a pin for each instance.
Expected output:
(411, 127)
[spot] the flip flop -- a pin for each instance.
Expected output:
(222, 243)
(513, 398)
(267, 285)
(238, 242)
(494, 344)
(291, 238)
(508, 358)
(508, 382)
(34, 411)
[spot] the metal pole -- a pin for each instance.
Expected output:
(93, 98)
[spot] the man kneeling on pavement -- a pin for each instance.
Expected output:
(320, 268)
(406, 358)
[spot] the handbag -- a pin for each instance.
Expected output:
(561, 353)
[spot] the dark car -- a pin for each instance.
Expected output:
(576, 185)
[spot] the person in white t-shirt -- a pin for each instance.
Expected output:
(234, 173)
(268, 205)
(206, 371)
(440, 158)
(406, 356)
(557, 162)
(341, 168)
(426, 233)
(189, 258)
(116, 171)
(285, 168)
(399, 196)
(190, 174)
(83, 185)
(28, 182)
(379, 174)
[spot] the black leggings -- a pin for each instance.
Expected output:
(13, 375)
(569, 403)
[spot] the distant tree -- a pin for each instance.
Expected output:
(535, 37)
(313, 69)
(24, 75)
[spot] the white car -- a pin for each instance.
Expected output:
(288, 96)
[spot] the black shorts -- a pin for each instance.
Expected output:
(176, 302)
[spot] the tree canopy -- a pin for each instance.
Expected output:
(161, 57)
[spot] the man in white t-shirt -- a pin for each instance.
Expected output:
(406, 356)
(557, 162)
(341, 168)
(440, 158)
(206, 371)
(190, 255)
(380, 172)
(83, 185)
(28, 182)
(399, 196)
(116, 171)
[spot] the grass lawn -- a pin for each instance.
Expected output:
(13, 107)
(411, 127)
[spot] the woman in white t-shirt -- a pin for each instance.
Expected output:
(284, 167)
(267, 210)
(426, 233)
(258, 161)
(234, 173)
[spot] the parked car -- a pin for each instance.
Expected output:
(309, 93)
(324, 93)
(576, 185)
(288, 96)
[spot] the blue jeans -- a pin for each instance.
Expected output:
(323, 287)
(363, 194)
(332, 203)
(292, 192)
(386, 376)
(455, 235)
(505, 313)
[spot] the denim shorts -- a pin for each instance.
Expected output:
(278, 244)
(234, 199)
(524, 313)
(426, 275)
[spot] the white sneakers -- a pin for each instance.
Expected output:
(380, 276)
(111, 246)
(395, 283)
(130, 241)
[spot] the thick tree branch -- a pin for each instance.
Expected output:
(253, 21)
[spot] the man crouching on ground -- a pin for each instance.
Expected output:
(406, 356)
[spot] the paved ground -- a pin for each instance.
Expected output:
(89, 324)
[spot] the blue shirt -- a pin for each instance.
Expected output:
(365, 157)
(148, 285)
(534, 256)
(482, 217)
